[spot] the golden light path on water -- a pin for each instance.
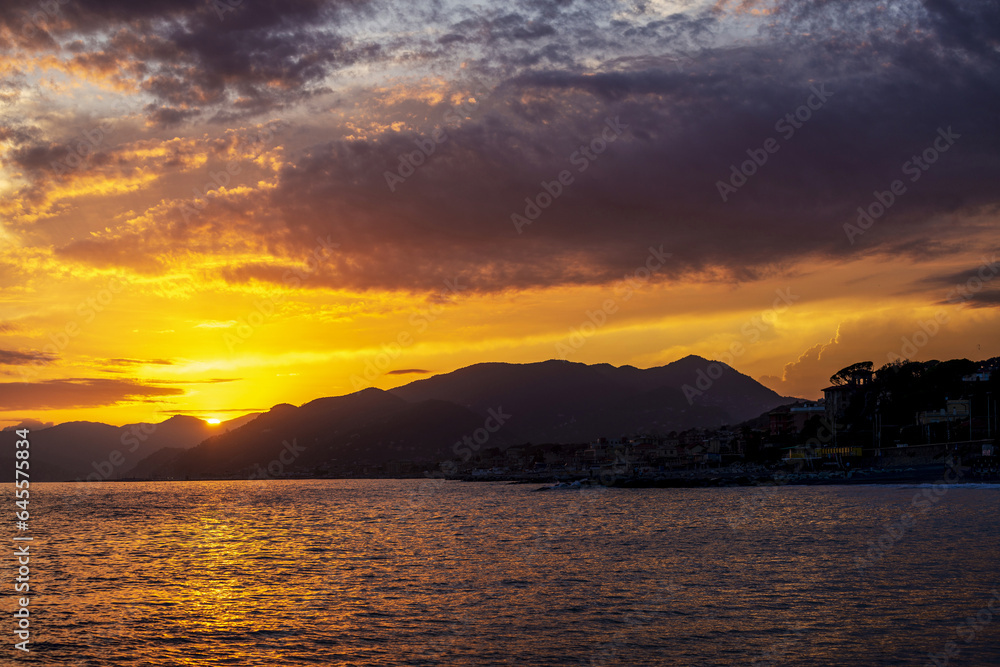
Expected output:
(426, 572)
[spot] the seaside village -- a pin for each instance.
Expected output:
(903, 417)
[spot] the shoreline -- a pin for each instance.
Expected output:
(689, 479)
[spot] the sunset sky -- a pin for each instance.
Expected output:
(212, 206)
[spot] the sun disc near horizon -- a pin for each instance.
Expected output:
(213, 421)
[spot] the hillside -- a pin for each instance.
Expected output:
(369, 427)
(419, 423)
(561, 401)
(82, 450)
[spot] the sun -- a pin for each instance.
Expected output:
(213, 421)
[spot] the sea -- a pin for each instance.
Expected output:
(435, 572)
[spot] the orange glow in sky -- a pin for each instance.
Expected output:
(213, 236)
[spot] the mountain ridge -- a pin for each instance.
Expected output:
(554, 401)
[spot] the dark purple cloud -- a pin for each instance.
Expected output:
(194, 55)
(889, 96)
(888, 85)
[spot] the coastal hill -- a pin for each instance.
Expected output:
(551, 401)
(78, 450)
(560, 401)
(369, 427)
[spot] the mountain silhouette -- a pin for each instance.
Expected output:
(562, 401)
(81, 450)
(421, 423)
(368, 427)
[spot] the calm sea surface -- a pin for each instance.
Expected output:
(426, 572)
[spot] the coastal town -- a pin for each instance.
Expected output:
(902, 421)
